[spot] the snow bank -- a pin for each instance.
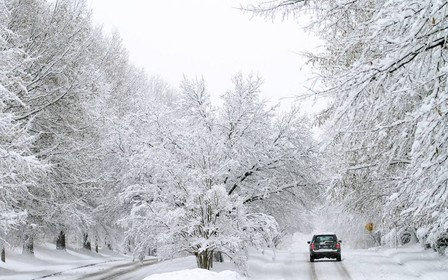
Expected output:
(197, 274)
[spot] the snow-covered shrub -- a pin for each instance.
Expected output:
(422, 236)
(390, 239)
(441, 245)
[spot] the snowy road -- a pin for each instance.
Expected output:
(406, 263)
(355, 266)
(291, 262)
(290, 265)
(410, 263)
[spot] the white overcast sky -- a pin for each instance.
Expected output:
(210, 39)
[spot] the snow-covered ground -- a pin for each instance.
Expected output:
(47, 261)
(291, 261)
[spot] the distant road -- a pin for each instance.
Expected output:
(296, 266)
(408, 263)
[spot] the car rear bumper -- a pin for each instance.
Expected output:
(317, 254)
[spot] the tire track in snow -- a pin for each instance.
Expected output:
(75, 268)
(114, 272)
(329, 270)
(294, 265)
(343, 270)
(313, 272)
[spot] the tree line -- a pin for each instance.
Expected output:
(95, 152)
(383, 65)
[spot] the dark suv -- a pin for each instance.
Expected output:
(325, 246)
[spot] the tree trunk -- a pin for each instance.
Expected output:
(107, 243)
(28, 245)
(204, 259)
(60, 241)
(152, 252)
(96, 245)
(217, 256)
(86, 243)
(3, 255)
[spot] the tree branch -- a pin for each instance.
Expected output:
(45, 106)
(276, 191)
(410, 56)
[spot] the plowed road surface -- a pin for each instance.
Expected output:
(386, 264)
(408, 263)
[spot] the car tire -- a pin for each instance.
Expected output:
(338, 258)
(311, 259)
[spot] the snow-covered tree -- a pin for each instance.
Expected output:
(125, 129)
(74, 93)
(20, 170)
(384, 65)
(56, 92)
(282, 163)
(202, 177)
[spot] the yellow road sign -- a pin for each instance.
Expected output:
(369, 227)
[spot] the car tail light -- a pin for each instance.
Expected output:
(338, 246)
(312, 246)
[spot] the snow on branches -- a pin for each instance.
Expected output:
(384, 65)
(19, 169)
(206, 167)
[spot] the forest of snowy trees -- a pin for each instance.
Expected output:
(384, 66)
(96, 152)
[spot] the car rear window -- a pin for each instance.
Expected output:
(325, 238)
